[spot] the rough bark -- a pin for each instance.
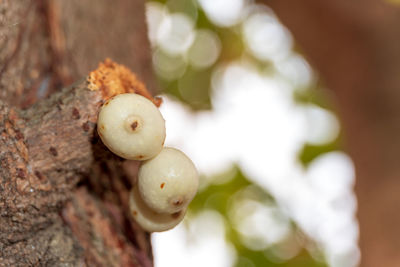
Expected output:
(355, 47)
(46, 217)
(48, 44)
(63, 195)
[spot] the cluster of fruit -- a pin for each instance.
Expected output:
(132, 127)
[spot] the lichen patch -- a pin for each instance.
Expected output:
(114, 79)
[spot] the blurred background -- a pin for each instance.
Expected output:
(241, 100)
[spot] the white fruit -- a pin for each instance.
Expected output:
(131, 126)
(150, 220)
(168, 182)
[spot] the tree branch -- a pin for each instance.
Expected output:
(45, 152)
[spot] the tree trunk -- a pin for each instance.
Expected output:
(63, 195)
(355, 47)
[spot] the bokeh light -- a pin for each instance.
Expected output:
(202, 244)
(323, 126)
(266, 38)
(238, 94)
(223, 13)
(155, 14)
(259, 225)
(295, 70)
(167, 66)
(205, 49)
(175, 33)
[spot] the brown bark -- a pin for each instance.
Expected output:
(63, 195)
(355, 47)
(46, 150)
(48, 44)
